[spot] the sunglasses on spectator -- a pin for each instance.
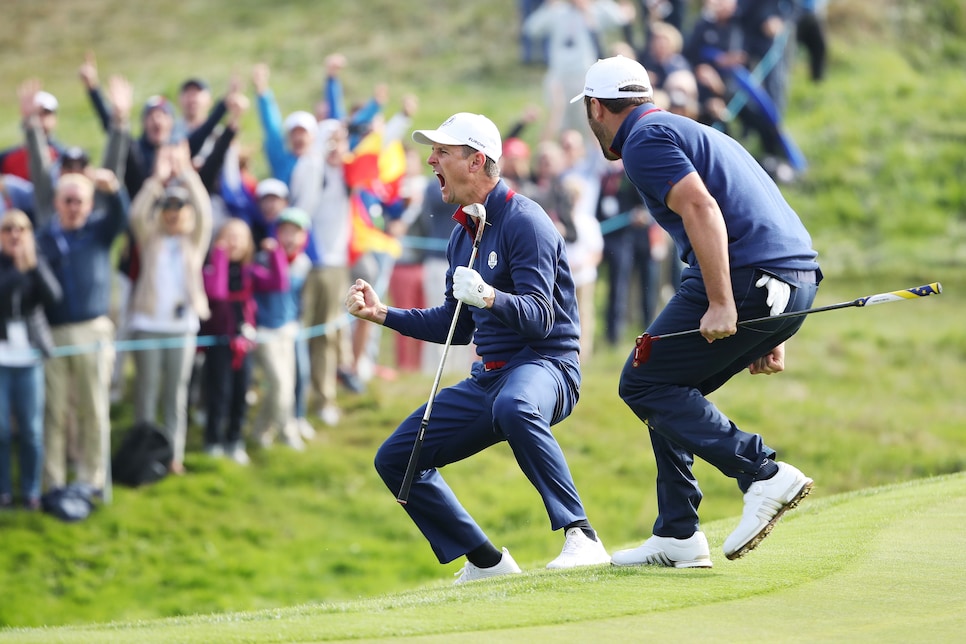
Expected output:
(9, 228)
(73, 200)
(172, 204)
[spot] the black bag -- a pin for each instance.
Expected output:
(72, 502)
(143, 457)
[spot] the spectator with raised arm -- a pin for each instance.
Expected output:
(284, 142)
(76, 240)
(14, 161)
(45, 169)
(171, 222)
(319, 188)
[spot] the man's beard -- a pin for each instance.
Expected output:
(601, 136)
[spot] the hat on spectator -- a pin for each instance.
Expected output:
(514, 147)
(271, 188)
(175, 195)
(74, 154)
(463, 128)
(157, 102)
(46, 101)
(195, 82)
(295, 216)
(303, 120)
(608, 77)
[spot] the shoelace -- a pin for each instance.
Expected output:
(466, 570)
(571, 546)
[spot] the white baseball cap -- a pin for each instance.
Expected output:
(303, 120)
(463, 128)
(46, 101)
(608, 77)
(273, 187)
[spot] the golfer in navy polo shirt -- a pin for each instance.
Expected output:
(748, 256)
(521, 313)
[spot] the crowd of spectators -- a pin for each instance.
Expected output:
(168, 270)
(217, 284)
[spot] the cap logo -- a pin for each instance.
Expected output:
(477, 142)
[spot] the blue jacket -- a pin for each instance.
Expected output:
(523, 257)
(278, 308)
(81, 261)
(281, 160)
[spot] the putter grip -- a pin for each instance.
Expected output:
(407, 482)
(905, 294)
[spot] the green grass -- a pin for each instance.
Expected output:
(305, 546)
(866, 566)
(861, 405)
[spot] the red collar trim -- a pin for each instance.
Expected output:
(650, 111)
(467, 222)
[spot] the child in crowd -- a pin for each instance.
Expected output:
(231, 279)
(278, 327)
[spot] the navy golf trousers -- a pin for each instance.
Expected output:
(517, 403)
(668, 391)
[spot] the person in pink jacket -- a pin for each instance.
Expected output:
(231, 279)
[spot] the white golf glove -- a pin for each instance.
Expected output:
(778, 293)
(469, 287)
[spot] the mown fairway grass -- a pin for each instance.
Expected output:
(867, 566)
(870, 397)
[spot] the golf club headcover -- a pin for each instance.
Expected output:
(469, 287)
(777, 295)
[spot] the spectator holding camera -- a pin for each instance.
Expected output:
(26, 286)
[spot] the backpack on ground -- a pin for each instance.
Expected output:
(143, 457)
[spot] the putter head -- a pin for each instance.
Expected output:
(642, 348)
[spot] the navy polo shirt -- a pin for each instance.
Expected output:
(660, 148)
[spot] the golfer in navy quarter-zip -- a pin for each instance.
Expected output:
(748, 256)
(522, 256)
(516, 302)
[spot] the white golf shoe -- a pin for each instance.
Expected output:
(469, 572)
(765, 503)
(580, 550)
(692, 552)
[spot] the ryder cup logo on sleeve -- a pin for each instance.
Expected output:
(463, 128)
(491, 259)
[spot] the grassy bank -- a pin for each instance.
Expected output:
(870, 397)
(862, 567)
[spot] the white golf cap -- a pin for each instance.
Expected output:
(463, 128)
(303, 120)
(608, 77)
(46, 101)
(271, 187)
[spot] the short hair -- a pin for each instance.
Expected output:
(618, 105)
(75, 180)
(17, 217)
(670, 32)
(491, 168)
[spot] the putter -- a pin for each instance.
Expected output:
(478, 212)
(642, 348)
